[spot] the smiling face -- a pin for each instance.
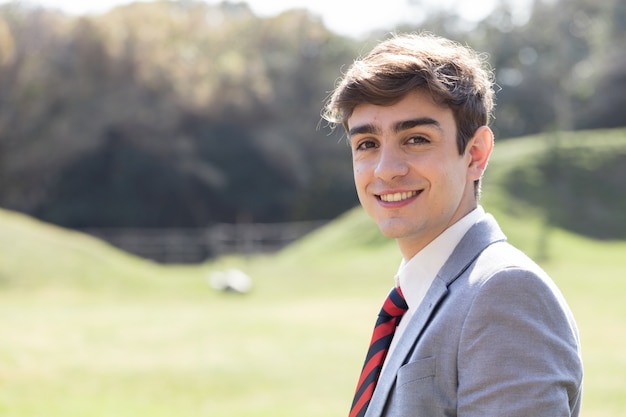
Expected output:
(408, 172)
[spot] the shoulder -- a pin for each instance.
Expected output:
(501, 260)
(507, 286)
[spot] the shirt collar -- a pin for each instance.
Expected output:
(415, 275)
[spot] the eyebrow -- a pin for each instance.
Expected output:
(397, 127)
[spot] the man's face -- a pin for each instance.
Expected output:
(408, 172)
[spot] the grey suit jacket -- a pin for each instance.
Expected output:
(493, 337)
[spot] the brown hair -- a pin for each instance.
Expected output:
(456, 76)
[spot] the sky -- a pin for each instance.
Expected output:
(347, 17)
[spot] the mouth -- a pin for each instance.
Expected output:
(397, 197)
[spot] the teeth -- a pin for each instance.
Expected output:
(395, 197)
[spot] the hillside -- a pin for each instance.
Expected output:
(573, 180)
(36, 256)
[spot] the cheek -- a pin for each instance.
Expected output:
(361, 179)
(359, 171)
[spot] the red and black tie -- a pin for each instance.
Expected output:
(388, 318)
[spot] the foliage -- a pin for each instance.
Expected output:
(558, 65)
(184, 114)
(169, 114)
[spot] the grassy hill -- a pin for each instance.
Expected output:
(91, 331)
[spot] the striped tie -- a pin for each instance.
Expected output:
(388, 318)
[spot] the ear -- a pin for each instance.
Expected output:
(479, 150)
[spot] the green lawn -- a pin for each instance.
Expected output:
(90, 331)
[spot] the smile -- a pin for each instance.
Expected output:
(396, 197)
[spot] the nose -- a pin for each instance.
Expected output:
(391, 164)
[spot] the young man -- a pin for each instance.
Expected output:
(486, 333)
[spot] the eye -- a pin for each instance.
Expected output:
(365, 144)
(418, 139)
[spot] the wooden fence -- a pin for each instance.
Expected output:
(192, 245)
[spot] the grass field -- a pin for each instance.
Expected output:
(87, 330)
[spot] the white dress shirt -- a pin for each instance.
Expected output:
(416, 275)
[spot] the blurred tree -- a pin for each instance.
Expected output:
(607, 67)
(559, 64)
(185, 114)
(168, 114)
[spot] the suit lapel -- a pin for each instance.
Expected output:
(481, 235)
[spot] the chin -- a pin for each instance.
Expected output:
(392, 231)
